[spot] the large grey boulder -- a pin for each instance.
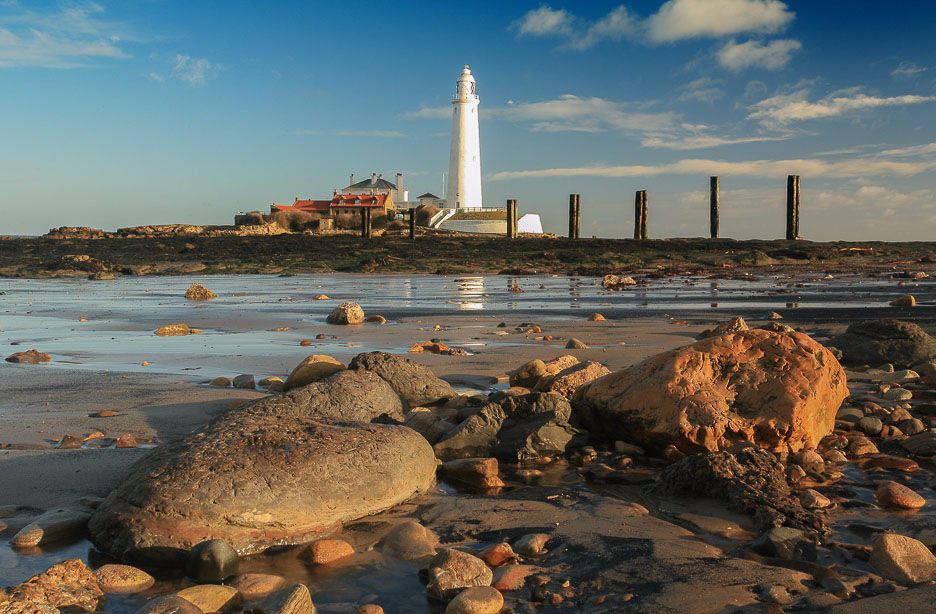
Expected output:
(514, 428)
(415, 383)
(877, 341)
(282, 470)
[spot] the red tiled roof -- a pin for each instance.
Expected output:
(304, 205)
(358, 200)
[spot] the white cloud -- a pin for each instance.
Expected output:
(194, 71)
(682, 19)
(784, 109)
(905, 70)
(754, 54)
(675, 20)
(389, 134)
(701, 90)
(71, 37)
(859, 167)
(544, 21)
(913, 150)
(704, 141)
(431, 113)
(614, 26)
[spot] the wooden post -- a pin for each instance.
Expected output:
(640, 215)
(792, 207)
(511, 219)
(412, 224)
(366, 222)
(575, 216)
(714, 195)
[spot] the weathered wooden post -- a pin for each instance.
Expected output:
(644, 216)
(412, 224)
(792, 207)
(366, 222)
(714, 195)
(575, 216)
(640, 215)
(511, 219)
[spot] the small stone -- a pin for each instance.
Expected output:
(512, 577)
(498, 554)
(305, 343)
(377, 319)
(173, 330)
(773, 315)
(70, 442)
(810, 460)
(213, 560)
(211, 597)
(532, 544)
(476, 600)
(253, 586)
(776, 593)
(596, 317)
(898, 394)
(123, 579)
(477, 472)
(785, 543)
(795, 473)
(198, 292)
(921, 444)
(869, 425)
(69, 585)
(576, 344)
(849, 414)
(911, 426)
(902, 559)
(321, 297)
(861, 446)
(29, 357)
(812, 499)
(907, 300)
(169, 604)
(245, 382)
(268, 381)
(409, 541)
(327, 551)
(56, 525)
(900, 377)
(126, 441)
(295, 599)
(312, 369)
(452, 570)
(835, 457)
(346, 314)
(370, 608)
(106, 413)
(893, 463)
(892, 494)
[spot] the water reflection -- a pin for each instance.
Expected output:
(470, 293)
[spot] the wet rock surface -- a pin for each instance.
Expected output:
(415, 383)
(272, 472)
(877, 341)
(513, 428)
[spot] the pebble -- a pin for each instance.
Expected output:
(498, 554)
(173, 330)
(892, 494)
(213, 560)
(305, 343)
(409, 541)
(220, 382)
(57, 525)
(452, 570)
(169, 604)
(895, 463)
(328, 551)
(512, 577)
(70, 442)
(809, 460)
(123, 579)
(576, 344)
(532, 544)
(907, 300)
(596, 317)
(253, 586)
(106, 413)
(210, 597)
(812, 499)
(849, 414)
(835, 457)
(477, 472)
(244, 382)
(911, 426)
(898, 394)
(869, 425)
(126, 441)
(861, 446)
(902, 559)
(295, 599)
(476, 600)
(370, 608)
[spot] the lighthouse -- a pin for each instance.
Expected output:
(464, 187)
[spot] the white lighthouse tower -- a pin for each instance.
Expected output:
(464, 187)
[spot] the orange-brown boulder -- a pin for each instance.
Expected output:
(780, 391)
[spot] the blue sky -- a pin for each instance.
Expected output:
(157, 111)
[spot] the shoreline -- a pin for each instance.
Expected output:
(439, 254)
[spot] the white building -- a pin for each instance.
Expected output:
(464, 186)
(378, 185)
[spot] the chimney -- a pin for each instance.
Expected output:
(399, 182)
(352, 179)
(373, 178)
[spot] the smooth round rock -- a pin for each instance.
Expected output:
(328, 551)
(211, 597)
(476, 600)
(892, 494)
(123, 579)
(869, 425)
(254, 586)
(212, 561)
(169, 604)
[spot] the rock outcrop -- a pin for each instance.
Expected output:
(346, 314)
(514, 428)
(873, 342)
(282, 470)
(780, 391)
(415, 383)
(198, 292)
